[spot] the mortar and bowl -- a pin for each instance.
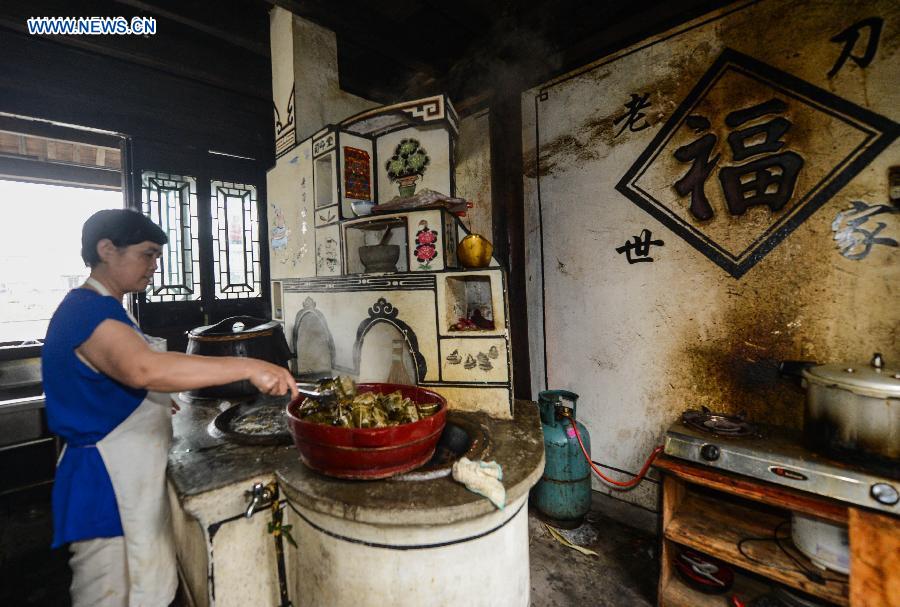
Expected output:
(380, 257)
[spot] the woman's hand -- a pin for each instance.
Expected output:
(271, 379)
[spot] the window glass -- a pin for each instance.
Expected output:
(40, 251)
(235, 240)
(171, 202)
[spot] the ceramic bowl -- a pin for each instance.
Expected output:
(361, 208)
(370, 453)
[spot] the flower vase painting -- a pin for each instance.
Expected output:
(425, 250)
(407, 166)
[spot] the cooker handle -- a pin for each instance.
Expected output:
(792, 370)
(225, 326)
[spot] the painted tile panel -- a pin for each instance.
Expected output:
(474, 360)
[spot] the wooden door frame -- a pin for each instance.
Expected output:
(172, 319)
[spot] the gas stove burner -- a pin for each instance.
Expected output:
(718, 425)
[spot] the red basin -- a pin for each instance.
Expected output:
(369, 453)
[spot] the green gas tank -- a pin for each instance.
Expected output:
(563, 495)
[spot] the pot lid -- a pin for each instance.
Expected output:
(874, 378)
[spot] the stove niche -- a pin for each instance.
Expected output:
(385, 356)
(323, 176)
(376, 234)
(469, 304)
(312, 342)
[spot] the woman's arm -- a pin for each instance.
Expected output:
(117, 350)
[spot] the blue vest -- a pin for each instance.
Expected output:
(83, 406)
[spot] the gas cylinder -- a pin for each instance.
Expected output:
(563, 495)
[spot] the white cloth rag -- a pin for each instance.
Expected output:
(482, 478)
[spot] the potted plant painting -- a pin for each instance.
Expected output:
(407, 165)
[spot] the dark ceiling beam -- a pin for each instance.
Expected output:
(87, 43)
(47, 80)
(526, 48)
(363, 27)
(253, 46)
(649, 19)
(460, 17)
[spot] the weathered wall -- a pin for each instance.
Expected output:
(290, 214)
(320, 100)
(473, 171)
(627, 148)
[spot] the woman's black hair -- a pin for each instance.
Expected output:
(123, 227)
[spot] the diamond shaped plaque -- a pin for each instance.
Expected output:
(750, 154)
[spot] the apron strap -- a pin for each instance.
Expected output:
(99, 288)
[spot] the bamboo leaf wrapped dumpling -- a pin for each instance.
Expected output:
(344, 407)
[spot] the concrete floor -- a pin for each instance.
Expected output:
(30, 573)
(623, 574)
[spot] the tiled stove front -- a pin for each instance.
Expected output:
(331, 308)
(401, 543)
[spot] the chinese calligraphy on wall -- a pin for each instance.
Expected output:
(738, 166)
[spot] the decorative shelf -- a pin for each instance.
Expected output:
(377, 223)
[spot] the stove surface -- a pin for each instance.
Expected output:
(777, 455)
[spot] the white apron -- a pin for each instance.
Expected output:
(135, 454)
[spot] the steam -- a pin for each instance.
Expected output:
(509, 57)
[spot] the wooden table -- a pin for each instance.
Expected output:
(711, 511)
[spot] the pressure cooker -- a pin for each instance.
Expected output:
(239, 336)
(853, 410)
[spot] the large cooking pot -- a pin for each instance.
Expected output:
(853, 410)
(239, 336)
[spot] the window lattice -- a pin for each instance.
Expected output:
(235, 240)
(171, 202)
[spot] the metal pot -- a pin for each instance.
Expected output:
(853, 411)
(239, 336)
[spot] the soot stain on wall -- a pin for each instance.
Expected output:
(774, 313)
(737, 372)
(598, 134)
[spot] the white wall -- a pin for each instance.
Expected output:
(473, 171)
(643, 342)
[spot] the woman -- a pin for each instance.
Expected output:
(106, 386)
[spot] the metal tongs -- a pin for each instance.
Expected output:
(314, 390)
